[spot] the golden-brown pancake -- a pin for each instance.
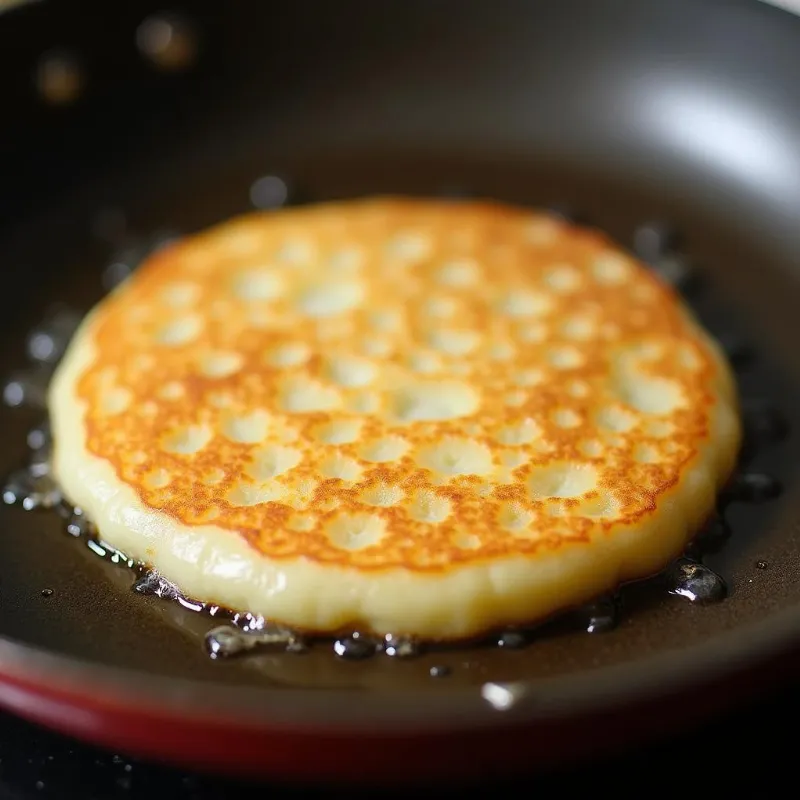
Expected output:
(419, 417)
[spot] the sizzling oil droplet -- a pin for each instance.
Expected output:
(764, 424)
(126, 260)
(439, 671)
(153, 584)
(27, 388)
(654, 240)
(514, 639)
(48, 341)
(227, 641)
(711, 539)
(567, 213)
(78, 526)
(761, 564)
(355, 647)
(400, 646)
(753, 487)
(47, 592)
(695, 581)
(739, 352)
(30, 490)
(602, 615)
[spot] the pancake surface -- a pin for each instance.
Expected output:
(414, 417)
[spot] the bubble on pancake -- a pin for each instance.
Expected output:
(305, 395)
(564, 357)
(342, 431)
(425, 362)
(649, 395)
(180, 331)
(385, 449)
(346, 260)
(340, 467)
(382, 494)
(273, 460)
(408, 246)
(355, 531)
(566, 418)
(458, 273)
(578, 327)
(288, 354)
(569, 479)
(432, 400)
(246, 428)
(646, 454)
(258, 284)
(453, 342)
(327, 298)
(614, 418)
(456, 456)
(181, 294)
(295, 251)
(220, 364)
(523, 303)
(172, 390)
(612, 268)
(188, 440)
(467, 541)
(563, 278)
(253, 494)
(427, 506)
(519, 433)
(514, 517)
(600, 506)
(157, 478)
(528, 377)
(115, 400)
(348, 371)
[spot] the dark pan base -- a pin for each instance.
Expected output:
(282, 713)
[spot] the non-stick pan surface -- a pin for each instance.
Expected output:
(679, 112)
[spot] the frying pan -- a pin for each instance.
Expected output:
(652, 119)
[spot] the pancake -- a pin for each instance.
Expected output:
(427, 418)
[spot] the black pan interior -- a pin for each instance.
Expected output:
(523, 104)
